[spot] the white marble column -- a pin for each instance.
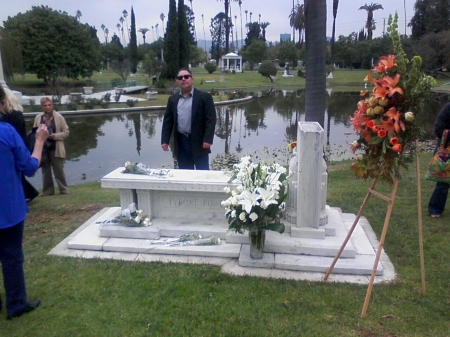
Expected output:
(309, 198)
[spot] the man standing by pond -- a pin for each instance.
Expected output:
(191, 117)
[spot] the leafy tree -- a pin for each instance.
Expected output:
(133, 44)
(254, 32)
(183, 35)
(190, 17)
(370, 23)
(430, 16)
(11, 54)
(267, 69)
(210, 67)
(218, 36)
(256, 52)
(54, 44)
(288, 53)
(198, 55)
(171, 42)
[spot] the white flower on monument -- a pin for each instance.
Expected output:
(249, 199)
(147, 222)
(242, 217)
(227, 190)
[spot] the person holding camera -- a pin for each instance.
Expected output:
(54, 151)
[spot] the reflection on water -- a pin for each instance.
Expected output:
(100, 144)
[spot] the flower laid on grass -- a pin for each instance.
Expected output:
(384, 119)
(259, 197)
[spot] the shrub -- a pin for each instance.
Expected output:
(210, 67)
(131, 102)
(267, 69)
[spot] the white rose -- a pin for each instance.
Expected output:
(137, 219)
(227, 189)
(409, 116)
(242, 216)
(253, 216)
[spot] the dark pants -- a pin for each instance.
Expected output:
(186, 158)
(438, 199)
(11, 257)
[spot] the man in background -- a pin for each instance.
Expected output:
(191, 117)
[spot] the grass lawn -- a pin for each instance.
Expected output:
(116, 298)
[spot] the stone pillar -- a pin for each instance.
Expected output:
(323, 191)
(309, 199)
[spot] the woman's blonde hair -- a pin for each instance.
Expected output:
(46, 99)
(11, 103)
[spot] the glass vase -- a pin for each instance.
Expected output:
(257, 238)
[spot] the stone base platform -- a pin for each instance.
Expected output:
(284, 257)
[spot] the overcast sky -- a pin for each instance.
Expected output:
(276, 12)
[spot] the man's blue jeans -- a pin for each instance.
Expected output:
(186, 158)
(438, 199)
(11, 257)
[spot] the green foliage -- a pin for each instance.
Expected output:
(131, 102)
(171, 43)
(210, 67)
(184, 36)
(218, 36)
(267, 69)
(11, 54)
(54, 44)
(430, 17)
(133, 44)
(255, 52)
(288, 53)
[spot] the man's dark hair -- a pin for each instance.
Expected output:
(185, 69)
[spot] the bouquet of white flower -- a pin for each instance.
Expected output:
(259, 198)
(139, 168)
(130, 217)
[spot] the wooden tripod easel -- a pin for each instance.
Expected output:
(390, 201)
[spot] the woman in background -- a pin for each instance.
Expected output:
(12, 113)
(53, 156)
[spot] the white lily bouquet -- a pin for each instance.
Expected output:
(259, 198)
(139, 168)
(130, 217)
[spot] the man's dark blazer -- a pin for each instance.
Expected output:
(202, 125)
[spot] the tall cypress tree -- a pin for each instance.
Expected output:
(184, 36)
(133, 44)
(171, 42)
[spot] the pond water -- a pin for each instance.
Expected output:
(99, 144)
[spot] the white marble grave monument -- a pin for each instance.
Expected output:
(186, 201)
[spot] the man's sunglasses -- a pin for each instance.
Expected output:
(179, 78)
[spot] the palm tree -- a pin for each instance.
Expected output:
(121, 28)
(264, 25)
(315, 38)
(251, 17)
(259, 20)
(143, 31)
(156, 28)
(153, 31)
(106, 34)
(125, 14)
(240, 14)
(162, 17)
(246, 18)
(370, 23)
(204, 34)
(78, 15)
(297, 21)
(333, 34)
